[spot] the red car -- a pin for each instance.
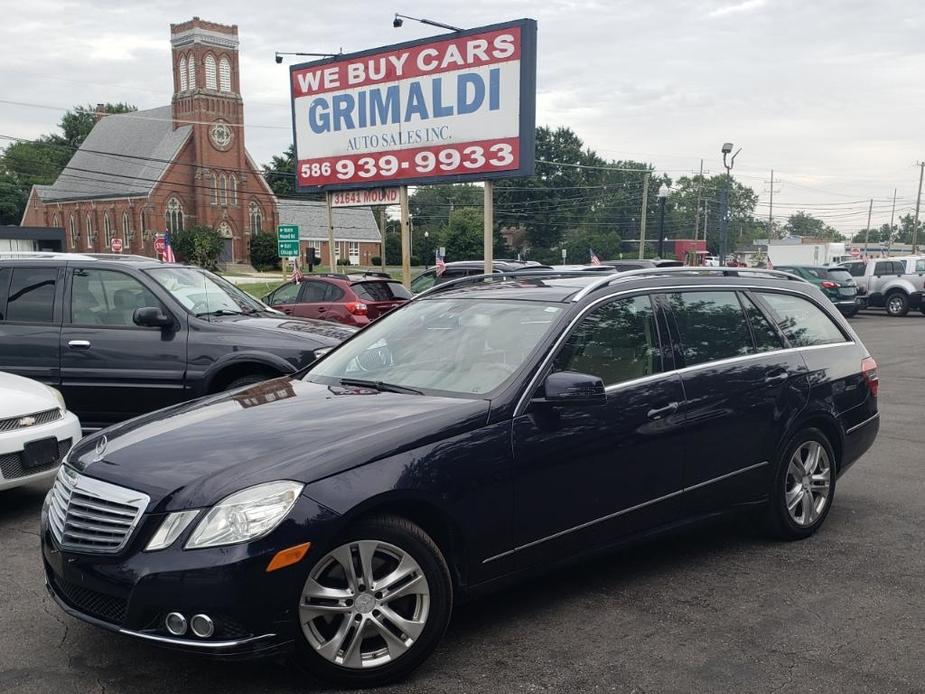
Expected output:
(349, 299)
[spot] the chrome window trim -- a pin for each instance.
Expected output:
(532, 384)
(622, 512)
(864, 423)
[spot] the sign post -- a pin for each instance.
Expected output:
(405, 239)
(332, 258)
(489, 223)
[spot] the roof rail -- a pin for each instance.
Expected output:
(41, 255)
(684, 270)
(499, 276)
(120, 256)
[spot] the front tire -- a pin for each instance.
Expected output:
(897, 304)
(803, 487)
(375, 605)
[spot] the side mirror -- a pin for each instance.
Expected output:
(572, 388)
(151, 317)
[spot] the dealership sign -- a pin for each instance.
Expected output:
(445, 109)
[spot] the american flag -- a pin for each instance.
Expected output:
(441, 266)
(169, 256)
(594, 259)
(296, 275)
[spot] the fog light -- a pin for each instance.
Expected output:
(175, 623)
(202, 626)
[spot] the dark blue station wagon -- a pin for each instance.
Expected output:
(492, 427)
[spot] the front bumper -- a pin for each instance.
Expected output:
(131, 592)
(66, 430)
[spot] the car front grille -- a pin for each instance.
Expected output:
(31, 420)
(105, 607)
(11, 463)
(90, 516)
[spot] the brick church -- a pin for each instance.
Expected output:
(168, 168)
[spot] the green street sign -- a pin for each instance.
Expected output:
(287, 240)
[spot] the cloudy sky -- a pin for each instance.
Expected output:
(828, 93)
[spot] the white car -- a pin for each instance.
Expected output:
(36, 431)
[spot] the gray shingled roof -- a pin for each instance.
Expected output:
(146, 142)
(350, 223)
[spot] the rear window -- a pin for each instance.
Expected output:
(711, 326)
(803, 323)
(380, 291)
(855, 269)
(840, 275)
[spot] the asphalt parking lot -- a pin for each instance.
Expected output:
(716, 609)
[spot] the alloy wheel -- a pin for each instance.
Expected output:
(808, 483)
(364, 604)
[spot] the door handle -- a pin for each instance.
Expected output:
(777, 378)
(287, 311)
(659, 412)
(79, 344)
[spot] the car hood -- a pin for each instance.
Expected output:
(19, 396)
(321, 330)
(195, 454)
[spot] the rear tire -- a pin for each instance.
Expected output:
(897, 304)
(399, 627)
(803, 487)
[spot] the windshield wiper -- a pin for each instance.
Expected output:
(380, 386)
(220, 312)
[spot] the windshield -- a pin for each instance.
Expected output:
(458, 346)
(839, 275)
(200, 292)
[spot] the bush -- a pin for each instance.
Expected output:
(199, 245)
(343, 261)
(415, 260)
(264, 254)
(376, 260)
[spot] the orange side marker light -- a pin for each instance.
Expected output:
(288, 557)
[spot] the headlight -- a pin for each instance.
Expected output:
(58, 397)
(246, 515)
(171, 528)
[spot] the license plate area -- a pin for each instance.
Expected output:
(41, 453)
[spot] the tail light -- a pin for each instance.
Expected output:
(829, 284)
(871, 375)
(357, 308)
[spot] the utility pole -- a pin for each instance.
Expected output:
(889, 238)
(918, 202)
(642, 221)
(699, 196)
(706, 216)
(867, 233)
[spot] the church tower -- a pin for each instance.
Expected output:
(207, 98)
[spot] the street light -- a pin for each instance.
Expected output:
(662, 199)
(397, 22)
(724, 200)
(280, 54)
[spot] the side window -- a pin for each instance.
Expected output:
(766, 337)
(711, 326)
(32, 295)
(313, 292)
(332, 293)
(884, 267)
(422, 282)
(856, 269)
(899, 267)
(287, 294)
(4, 285)
(803, 322)
(919, 267)
(107, 297)
(618, 342)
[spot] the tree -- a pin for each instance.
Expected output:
(681, 216)
(431, 205)
(462, 236)
(803, 224)
(280, 176)
(264, 251)
(199, 245)
(26, 163)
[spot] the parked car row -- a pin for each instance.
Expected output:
(476, 434)
(896, 284)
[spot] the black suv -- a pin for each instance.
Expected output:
(124, 335)
(469, 268)
(495, 426)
